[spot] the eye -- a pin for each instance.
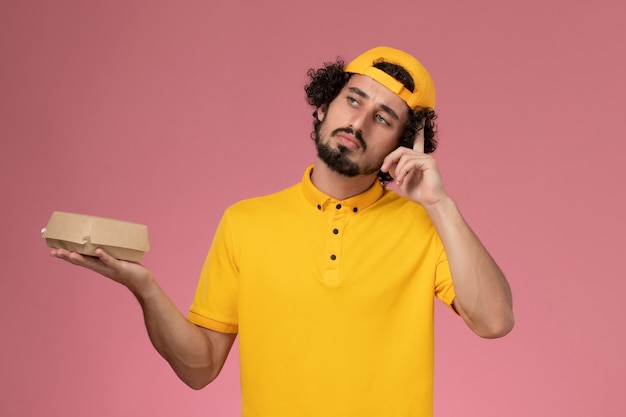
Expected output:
(352, 101)
(382, 119)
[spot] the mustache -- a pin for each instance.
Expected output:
(356, 133)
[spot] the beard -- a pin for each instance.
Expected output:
(338, 159)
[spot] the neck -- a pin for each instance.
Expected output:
(339, 186)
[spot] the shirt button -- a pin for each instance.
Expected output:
(355, 209)
(335, 231)
(333, 257)
(319, 207)
(338, 206)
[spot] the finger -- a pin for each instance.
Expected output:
(113, 265)
(418, 144)
(66, 255)
(105, 258)
(389, 164)
(77, 259)
(403, 169)
(391, 161)
(59, 253)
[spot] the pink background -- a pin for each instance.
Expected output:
(164, 113)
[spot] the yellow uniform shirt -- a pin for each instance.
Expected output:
(332, 302)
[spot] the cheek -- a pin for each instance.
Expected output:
(321, 128)
(388, 143)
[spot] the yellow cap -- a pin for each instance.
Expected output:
(423, 94)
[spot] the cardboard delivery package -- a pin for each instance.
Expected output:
(84, 234)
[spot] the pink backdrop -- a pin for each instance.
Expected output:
(164, 113)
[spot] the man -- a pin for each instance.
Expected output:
(330, 284)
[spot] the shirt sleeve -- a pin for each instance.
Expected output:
(444, 288)
(215, 302)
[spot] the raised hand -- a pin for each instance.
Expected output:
(415, 173)
(129, 274)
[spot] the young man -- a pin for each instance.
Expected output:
(330, 284)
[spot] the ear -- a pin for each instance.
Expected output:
(321, 112)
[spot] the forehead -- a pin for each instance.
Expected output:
(377, 93)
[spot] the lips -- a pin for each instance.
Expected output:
(349, 138)
(349, 141)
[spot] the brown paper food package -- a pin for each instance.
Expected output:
(83, 234)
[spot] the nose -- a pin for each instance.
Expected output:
(360, 119)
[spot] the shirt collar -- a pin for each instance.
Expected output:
(355, 204)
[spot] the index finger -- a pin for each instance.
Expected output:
(418, 143)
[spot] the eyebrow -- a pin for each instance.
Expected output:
(363, 94)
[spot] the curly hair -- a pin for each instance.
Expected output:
(326, 84)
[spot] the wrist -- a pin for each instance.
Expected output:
(143, 286)
(441, 206)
